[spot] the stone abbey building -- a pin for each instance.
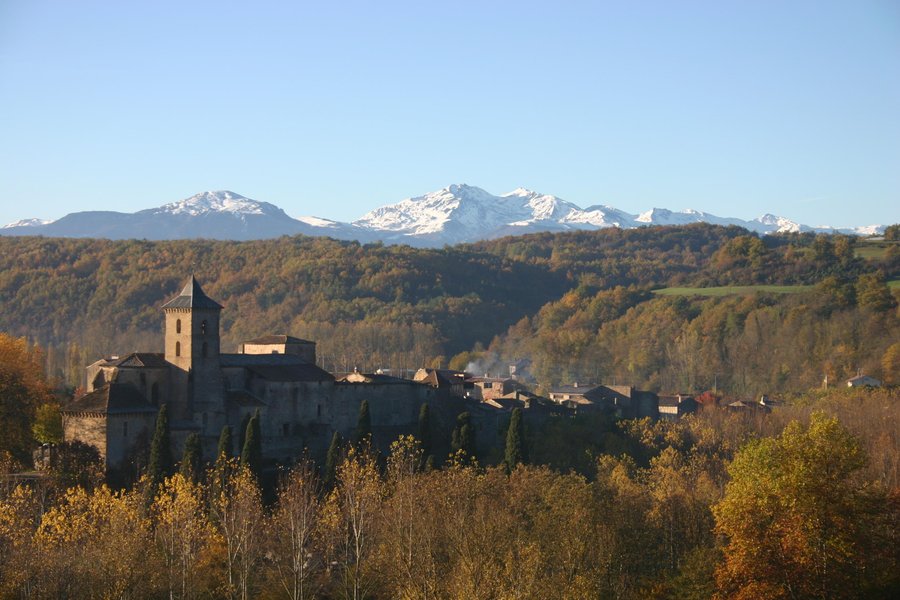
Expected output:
(300, 404)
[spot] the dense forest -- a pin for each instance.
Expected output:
(799, 502)
(577, 304)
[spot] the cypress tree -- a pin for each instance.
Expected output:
(463, 437)
(192, 461)
(515, 441)
(224, 448)
(160, 465)
(251, 454)
(242, 431)
(425, 429)
(332, 458)
(363, 424)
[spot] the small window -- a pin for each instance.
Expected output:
(125, 429)
(203, 327)
(178, 326)
(177, 348)
(204, 349)
(318, 410)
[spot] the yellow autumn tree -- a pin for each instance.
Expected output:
(796, 515)
(184, 538)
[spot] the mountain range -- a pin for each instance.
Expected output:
(455, 214)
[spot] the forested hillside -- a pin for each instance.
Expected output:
(578, 303)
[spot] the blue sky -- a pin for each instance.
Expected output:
(334, 108)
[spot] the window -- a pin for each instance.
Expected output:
(204, 350)
(177, 348)
(319, 410)
(178, 326)
(203, 327)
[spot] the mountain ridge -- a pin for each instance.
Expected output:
(458, 213)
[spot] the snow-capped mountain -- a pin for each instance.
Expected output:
(27, 223)
(455, 214)
(205, 203)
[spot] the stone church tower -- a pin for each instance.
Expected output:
(192, 347)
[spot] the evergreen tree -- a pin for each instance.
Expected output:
(425, 429)
(192, 461)
(463, 437)
(332, 458)
(515, 441)
(224, 448)
(363, 424)
(160, 465)
(242, 431)
(251, 454)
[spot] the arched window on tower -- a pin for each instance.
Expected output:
(203, 328)
(177, 348)
(178, 326)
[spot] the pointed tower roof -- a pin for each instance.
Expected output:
(192, 296)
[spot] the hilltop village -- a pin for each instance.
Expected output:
(300, 405)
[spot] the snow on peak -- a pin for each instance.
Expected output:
(221, 201)
(778, 224)
(27, 223)
(317, 221)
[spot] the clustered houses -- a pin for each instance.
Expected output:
(623, 400)
(300, 404)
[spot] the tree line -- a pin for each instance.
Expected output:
(796, 505)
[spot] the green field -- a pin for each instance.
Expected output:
(894, 285)
(873, 249)
(733, 290)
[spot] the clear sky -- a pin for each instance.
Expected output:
(333, 108)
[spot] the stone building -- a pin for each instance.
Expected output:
(624, 401)
(300, 405)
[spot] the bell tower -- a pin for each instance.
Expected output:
(192, 347)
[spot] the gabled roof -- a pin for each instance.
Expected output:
(192, 296)
(440, 377)
(580, 389)
(141, 359)
(112, 398)
(278, 339)
(376, 379)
